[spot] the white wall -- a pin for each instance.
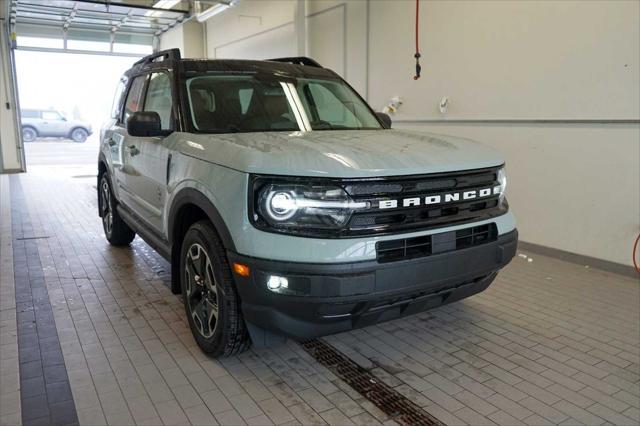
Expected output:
(510, 59)
(10, 155)
(546, 83)
(188, 37)
(253, 29)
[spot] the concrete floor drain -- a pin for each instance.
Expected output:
(32, 238)
(394, 404)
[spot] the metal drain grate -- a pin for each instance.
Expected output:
(32, 238)
(394, 404)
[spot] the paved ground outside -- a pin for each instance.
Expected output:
(61, 152)
(549, 342)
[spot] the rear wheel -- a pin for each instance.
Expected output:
(209, 294)
(29, 134)
(79, 135)
(116, 230)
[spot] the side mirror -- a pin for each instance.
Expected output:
(386, 120)
(145, 124)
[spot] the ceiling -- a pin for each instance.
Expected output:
(133, 21)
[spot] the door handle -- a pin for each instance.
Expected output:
(133, 150)
(111, 142)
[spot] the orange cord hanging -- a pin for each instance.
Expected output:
(417, 55)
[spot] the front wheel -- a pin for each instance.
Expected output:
(79, 135)
(29, 134)
(116, 230)
(210, 299)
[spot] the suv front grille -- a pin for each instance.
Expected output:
(411, 248)
(377, 220)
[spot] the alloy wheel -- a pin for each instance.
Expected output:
(202, 290)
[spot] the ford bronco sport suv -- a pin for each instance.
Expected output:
(51, 123)
(287, 207)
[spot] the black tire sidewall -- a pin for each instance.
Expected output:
(85, 134)
(198, 233)
(29, 129)
(121, 233)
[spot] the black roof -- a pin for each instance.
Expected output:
(287, 67)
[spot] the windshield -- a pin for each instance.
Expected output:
(240, 103)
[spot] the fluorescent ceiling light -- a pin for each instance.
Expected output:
(162, 4)
(166, 4)
(213, 11)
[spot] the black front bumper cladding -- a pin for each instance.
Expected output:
(330, 298)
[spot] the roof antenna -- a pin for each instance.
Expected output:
(417, 55)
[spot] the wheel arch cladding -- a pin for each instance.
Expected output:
(73, 129)
(190, 206)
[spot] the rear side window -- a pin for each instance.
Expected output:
(29, 113)
(134, 98)
(117, 99)
(158, 98)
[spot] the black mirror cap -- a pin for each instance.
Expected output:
(144, 124)
(385, 119)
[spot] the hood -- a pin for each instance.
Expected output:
(340, 153)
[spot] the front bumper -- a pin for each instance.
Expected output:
(331, 298)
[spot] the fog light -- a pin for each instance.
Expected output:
(276, 283)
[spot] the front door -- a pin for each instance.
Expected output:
(126, 147)
(54, 124)
(150, 182)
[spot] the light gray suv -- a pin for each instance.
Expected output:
(51, 123)
(287, 207)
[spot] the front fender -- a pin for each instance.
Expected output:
(191, 195)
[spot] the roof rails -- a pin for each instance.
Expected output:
(298, 60)
(170, 54)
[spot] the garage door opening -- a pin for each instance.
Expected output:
(64, 99)
(68, 57)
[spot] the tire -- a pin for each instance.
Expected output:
(79, 135)
(116, 230)
(210, 299)
(29, 134)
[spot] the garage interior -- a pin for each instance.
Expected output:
(92, 334)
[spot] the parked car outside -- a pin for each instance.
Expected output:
(51, 123)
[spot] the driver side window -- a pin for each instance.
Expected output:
(158, 99)
(51, 115)
(134, 98)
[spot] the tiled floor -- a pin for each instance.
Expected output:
(549, 343)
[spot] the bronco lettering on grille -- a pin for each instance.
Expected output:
(440, 198)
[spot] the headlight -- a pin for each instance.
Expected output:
(502, 180)
(303, 208)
